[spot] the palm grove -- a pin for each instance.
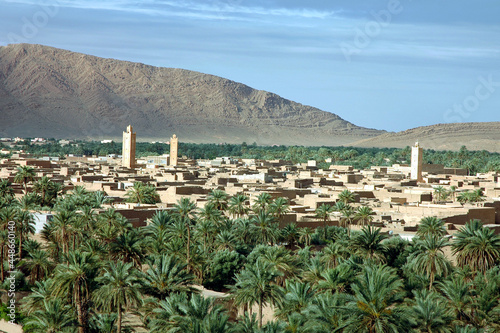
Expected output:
(472, 161)
(93, 272)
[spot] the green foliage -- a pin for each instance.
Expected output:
(92, 271)
(473, 161)
(142, 193)
(5, 311)
(222, 268)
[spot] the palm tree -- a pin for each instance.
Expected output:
(282, 260)
(458, 298)
(185, 211)
(336, 280)
(40, 293)
(197, 314)
(5, 189)
(305, 235)
(96, 248)
(429, 257)
(159, 222)
(101, 198)
(431, 225)
(313, 271)
(347, 217)
(110, 217)
(25, 227)
(164, 276)
(430, 312)
(364, 215)
(464, 197)
(453, 191)
(128, 247)
(340, 206)
(6, 201)
(477, 196)
(334, 252)
(80, 191)
(38, 264)
(291, 234)
(245, 230)
(225, 240)
(441, 193)
(211, 213)
(375, 306)
(262, 202)
(24, 175)
(323, 212)
(141, 193)
(4, 248)
(56, 189)
(206, 231)
(237, 205)
(119, 289)
(265, 227)
(62, 222)
(255, 284)
(298, 295)
(8, 214)
(27, 202)
(76, 279)
(279, 207)
(103, 323)
(54, 317)
(368, 243)
(219, 199)
(247, 323)
(88, 220)
(43, 185)
(324, 314)
(476, 247)
(486, 290)
(346, 196)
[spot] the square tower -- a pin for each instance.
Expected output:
(128, 148)
(174, 141)
(416, 162)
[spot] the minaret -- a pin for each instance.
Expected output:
(128, 148)
(416, 162)
(173, 150)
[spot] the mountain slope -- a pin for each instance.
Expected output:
(51, 92)
(475, 136)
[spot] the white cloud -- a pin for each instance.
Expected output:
(214, 10)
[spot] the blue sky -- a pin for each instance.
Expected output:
(390, 65)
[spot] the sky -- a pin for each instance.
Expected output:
(392, 65)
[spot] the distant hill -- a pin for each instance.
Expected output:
(475, 136)
(50, 92)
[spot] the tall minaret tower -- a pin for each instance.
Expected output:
(416, 162)
(174, 141)
(128, 148)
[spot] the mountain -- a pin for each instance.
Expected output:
(475, 136)
(49, 92)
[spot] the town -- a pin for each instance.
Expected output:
(398, 197)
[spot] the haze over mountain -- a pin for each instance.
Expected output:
(475, 136)
(50, 92)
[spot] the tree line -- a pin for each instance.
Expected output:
(473, 161)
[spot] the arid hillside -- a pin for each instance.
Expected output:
(475, 136)
(51, 92)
